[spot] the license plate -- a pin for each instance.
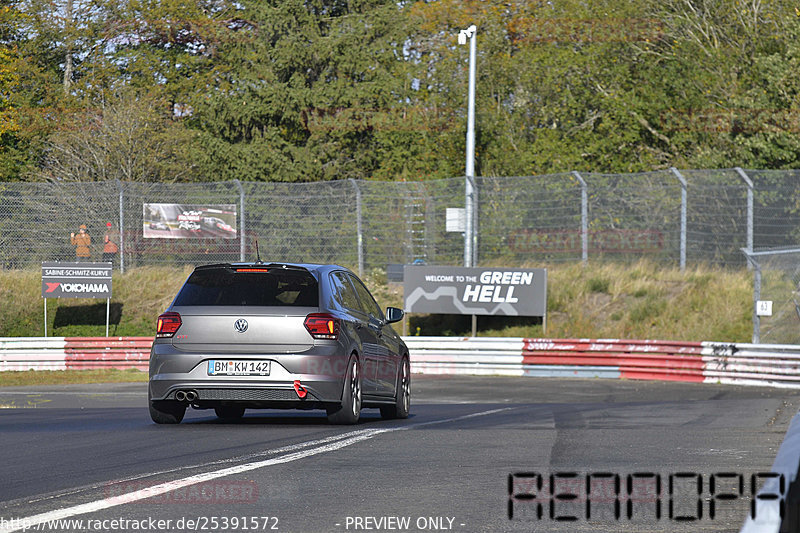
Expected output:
(218, 367)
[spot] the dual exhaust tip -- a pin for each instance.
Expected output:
(186, 396)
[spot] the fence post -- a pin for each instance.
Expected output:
(121, 227)
(751, 260)
(241, 220)
(749, 184)
(360, 235)
(584, 217)
(683, 215)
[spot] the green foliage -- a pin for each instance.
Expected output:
(306, 90)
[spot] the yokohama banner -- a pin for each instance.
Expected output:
(76, 280)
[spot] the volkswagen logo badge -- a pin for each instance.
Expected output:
(240, 325)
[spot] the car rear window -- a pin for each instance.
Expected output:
(274, 288)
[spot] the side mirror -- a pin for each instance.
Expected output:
(393, 314)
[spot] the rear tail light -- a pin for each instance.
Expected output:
(168, 324)
(322, 326)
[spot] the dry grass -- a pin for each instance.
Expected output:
(646, 301)
(602, 300)
(143, 294)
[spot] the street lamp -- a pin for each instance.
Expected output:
(469, 186)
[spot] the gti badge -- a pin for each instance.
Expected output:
(240, 325)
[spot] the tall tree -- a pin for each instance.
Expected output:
(298, 96)
(132, 139)
(10, 64)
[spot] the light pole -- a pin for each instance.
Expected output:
(469, 186)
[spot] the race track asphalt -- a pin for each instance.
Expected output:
(87, 452)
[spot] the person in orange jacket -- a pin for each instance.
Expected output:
(81, 242)
(110, 248)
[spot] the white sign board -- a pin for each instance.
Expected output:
(76, 280)
(456, 219)
(764, 308)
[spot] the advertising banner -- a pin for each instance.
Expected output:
(475, 291)
(189, 221)
(76, 280)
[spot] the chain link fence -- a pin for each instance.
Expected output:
(695, 216)
(776, 295)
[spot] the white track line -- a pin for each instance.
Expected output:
(250, 456)
(169, 486)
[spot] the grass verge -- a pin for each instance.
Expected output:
(643, 300)
(69, 377)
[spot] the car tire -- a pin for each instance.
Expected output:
(402, 401)
(349, 410)
(167, 411)
(229, 413)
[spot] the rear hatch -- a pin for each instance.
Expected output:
(246, 309)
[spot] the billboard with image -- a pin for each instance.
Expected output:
(189, 221)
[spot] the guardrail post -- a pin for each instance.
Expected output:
(684, 185)
(584, 217)
(121, 228)
(756, 298)
(749, 184)
(241, 220)
(360, 234)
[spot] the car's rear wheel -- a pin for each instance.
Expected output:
(402, 402)
(229, 413)
(349, 410)
(167, 411)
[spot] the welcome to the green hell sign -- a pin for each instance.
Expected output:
(475, 291)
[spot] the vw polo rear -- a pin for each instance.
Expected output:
(247, 336)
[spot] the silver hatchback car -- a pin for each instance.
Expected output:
(287, 336)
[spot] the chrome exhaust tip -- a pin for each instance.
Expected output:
(190, 396)
(180, 396)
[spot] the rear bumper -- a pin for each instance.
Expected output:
(321, 373)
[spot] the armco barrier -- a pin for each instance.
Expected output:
(745, 364)
(108, 352)
(62, 353)
(710, 362)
